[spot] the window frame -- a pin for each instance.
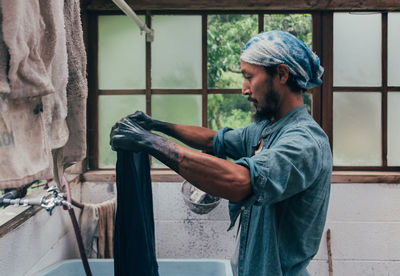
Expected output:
(329, 89)
(322, 96)
(95, 92)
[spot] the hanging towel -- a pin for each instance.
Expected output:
(4, 58)
(134, 242)
(89, 225)
(96, 222)
(24, 155)
(75, 149)
(34, 33)
(106, 228)
(55, 105)
(29, 33)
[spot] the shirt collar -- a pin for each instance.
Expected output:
(284, 120)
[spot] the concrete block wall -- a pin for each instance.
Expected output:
(365, 226)
(180, 233)
(364, 220)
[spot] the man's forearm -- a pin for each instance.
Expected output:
(196, 137)
(213, 175)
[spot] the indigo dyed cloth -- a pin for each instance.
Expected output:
(134, 243)
(276, 47)
(282, 222)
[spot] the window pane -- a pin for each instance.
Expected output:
(393, 156)
(111, 110)
(357, 129)
(299, 25)
(228, 110)
(357, 49)
(234, 110)
(176, 52)
(177, 109)
(393, 49)
(121, 53)
(226, 36)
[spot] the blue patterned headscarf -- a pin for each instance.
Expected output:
(276, 47)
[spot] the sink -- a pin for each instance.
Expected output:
(167, 267)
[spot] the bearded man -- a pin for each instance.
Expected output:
(279, 183)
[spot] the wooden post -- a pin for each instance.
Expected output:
(328, 243)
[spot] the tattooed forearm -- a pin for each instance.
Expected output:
(165, 151)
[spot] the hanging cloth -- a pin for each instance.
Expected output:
(134, 240)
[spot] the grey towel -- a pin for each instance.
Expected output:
(55, 105)
(4, 86)
(97, 227)
(24, 154)
(34, 33)
(29, 33)
(75, 149)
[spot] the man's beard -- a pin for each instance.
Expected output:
(270, 108)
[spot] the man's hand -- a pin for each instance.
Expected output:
(143, 120)
(128, 135)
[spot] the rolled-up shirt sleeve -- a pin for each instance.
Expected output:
(229, 142)
(288, 167)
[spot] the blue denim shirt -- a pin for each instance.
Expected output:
(283, 220)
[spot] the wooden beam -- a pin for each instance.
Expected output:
(365, 177)
(93, 99)
(327, 77)
(108, 175)
(204, 70)
(267, 5)
(15, 221)
(167, 175)
(316, 92)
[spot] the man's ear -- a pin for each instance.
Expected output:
(283, 73)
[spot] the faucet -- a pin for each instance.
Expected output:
(52, 199)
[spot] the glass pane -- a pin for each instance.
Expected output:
(357, 49)
(299, 25)
(177, 109)
(393, 49)
(393, 156)
(176, 52)
(357, 129)
(234, 110)
(228, 110)
(226, 36)
(111, 110)
(121, 53)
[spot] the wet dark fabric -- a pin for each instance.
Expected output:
(134, 243)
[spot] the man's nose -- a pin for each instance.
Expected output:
(245, 89)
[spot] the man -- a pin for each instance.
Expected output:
(280, 181)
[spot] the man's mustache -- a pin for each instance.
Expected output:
(251, 100)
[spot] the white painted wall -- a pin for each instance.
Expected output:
(39, 242)
(364, 220)
(365, 225)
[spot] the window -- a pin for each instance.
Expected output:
(190, 74)
(196, 68)
(366, 86)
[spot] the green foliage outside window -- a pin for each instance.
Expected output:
(227, 35)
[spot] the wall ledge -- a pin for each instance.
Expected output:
(165, 175)
(363, 177)
(108, 175)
